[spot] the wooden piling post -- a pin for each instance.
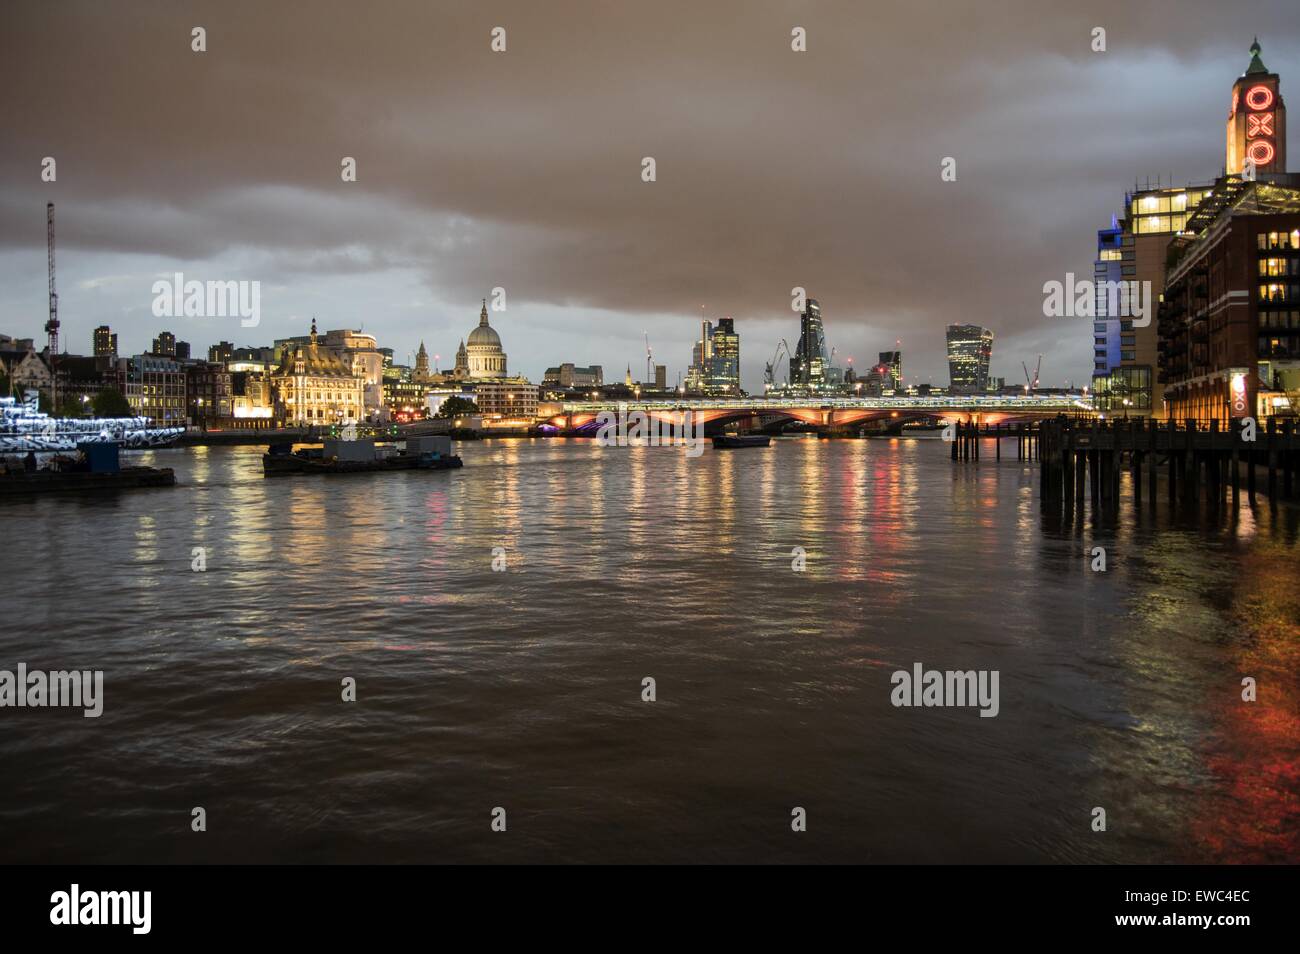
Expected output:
(1234, 461)
(1135, 462)
(1288, 459)
(1272, 459)
(1173, 459)
(1151, 460)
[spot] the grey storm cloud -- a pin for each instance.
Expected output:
(522, 169)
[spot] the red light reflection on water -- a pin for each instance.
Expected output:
(1255, 757)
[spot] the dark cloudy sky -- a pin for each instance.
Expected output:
(522, 169)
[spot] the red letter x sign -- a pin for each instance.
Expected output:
(1259, 124)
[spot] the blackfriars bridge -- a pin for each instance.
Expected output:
(831, 415)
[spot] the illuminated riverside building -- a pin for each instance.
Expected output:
(1105, 329)
(970, 349)
(250, 395)
(512, 399)
(155, 388)
(360, 352)
(1121, 381)
(314, 385)
(1230, 320)
(356, 350)
(1151, 221)
(404, 395)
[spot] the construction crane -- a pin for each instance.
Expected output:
(769, 373)
(1031, 384)
(52, 326)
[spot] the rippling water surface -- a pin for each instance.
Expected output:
(522, 689)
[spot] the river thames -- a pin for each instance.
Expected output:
(522, 689)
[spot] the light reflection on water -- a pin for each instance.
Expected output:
(1119, 689)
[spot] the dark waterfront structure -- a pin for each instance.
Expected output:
(970, 348)
(1075, 453)
(808, 366)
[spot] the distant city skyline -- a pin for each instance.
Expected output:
(460, 188)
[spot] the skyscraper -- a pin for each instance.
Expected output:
(893, 361)
(715, 359)
(808, 366)
(697, 370)
(970, 348)
(724, 363)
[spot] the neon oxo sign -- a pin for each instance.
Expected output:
(1259, 125)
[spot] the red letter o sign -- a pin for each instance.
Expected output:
(1259, 97)
(1260, 152)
